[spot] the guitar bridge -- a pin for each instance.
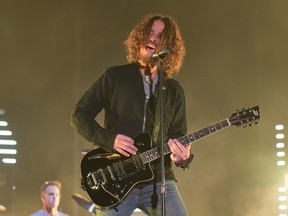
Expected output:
(94, 179)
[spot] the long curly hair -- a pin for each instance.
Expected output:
(171, 39)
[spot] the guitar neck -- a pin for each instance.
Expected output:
(197, 135)
(154, 153)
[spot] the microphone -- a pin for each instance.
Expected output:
(161, 54)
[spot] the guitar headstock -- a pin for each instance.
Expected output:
(245, 117)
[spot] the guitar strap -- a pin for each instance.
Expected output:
(156, 103)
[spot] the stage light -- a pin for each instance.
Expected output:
(280, 136)
(8, 151)
(7, 146)
(280, 154)
(280, 145)
(9, 160)
(279, 127)
(282, 198)
(282, 189)
(281, 163)
(8, 142)
(3, 123)
(5, 133)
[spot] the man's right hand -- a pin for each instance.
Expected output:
(124, 145)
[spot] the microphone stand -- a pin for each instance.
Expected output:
(163, 183)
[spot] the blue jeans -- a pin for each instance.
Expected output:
(141, 198)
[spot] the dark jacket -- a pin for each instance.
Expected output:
(120, 92)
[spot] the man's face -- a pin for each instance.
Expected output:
(51, 197)
(154, 41)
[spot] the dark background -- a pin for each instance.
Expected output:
(52, 50)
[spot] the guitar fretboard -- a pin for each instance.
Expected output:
(154, 154)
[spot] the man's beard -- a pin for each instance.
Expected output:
(149, 60)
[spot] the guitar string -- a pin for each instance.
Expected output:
(114, 168)
(211, 129)
(125, 163)
(145, 156)
(149, 157)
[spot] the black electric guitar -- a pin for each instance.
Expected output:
(108, 177)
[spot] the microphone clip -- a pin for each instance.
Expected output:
(160, 55)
